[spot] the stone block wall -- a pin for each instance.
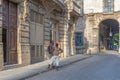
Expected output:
(1, 45)
(23, 33)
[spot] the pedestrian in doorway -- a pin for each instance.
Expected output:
(55, 58)
(50, 49)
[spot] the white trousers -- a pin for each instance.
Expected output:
(55, 59)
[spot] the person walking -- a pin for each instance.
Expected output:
(50, 49)
(55, 58)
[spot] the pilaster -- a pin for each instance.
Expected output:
(1, 45)
(24, 44)
(119, 41)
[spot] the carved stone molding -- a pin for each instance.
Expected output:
(50, 6)
(95, 19)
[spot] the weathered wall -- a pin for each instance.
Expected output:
(1, 46)
(23, 33)
(80, 25)
(53, 10)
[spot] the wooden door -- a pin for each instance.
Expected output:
(12, 33)
(10, 24)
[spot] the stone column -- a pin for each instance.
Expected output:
(65, 42)
(24, 54)
(119, 41)
(73, 40)
(63, 36)
(1, 44)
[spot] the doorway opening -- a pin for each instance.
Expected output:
(4, 31)
(109, 35)
(9, 32)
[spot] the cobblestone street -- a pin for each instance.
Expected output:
(98, 67)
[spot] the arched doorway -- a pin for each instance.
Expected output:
(108, 29)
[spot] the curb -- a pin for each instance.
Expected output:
(63, 65)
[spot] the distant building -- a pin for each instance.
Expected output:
(102, 23)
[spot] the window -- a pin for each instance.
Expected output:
(36, 34)
(36, 50)
(36, 17)
(78, 39)
(50, 35)
(54, 32)
(108, 5)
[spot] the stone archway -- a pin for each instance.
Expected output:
(108, 28)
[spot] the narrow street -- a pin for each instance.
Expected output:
(98, 67)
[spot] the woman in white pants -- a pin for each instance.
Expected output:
(55, 58)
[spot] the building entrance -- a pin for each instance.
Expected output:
(109, 35)
(9, 32)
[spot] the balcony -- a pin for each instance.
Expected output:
(74, 8)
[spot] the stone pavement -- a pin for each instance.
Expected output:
(28, 71)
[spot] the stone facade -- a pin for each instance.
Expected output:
(74, 11)
(1, 46)
(23, 33)
(36, 21)
(80, 29)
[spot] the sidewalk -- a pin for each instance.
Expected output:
(34, 69)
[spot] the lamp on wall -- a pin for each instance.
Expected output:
(110, 34)
(50, 23)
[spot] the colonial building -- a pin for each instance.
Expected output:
(27, 26)
(80, 40)
(102, 23)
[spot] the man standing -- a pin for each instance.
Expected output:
(55, 57)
